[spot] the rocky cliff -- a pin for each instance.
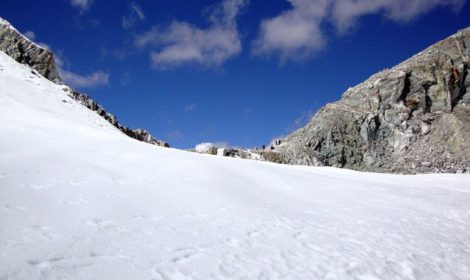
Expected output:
(23, 50)
(412, 118)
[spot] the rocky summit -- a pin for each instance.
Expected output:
(41, 60)
(413, 118)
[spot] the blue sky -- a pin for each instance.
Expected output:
(234, 71)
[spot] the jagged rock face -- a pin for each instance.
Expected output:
(412, 118)
(138, 134)
(26, 52)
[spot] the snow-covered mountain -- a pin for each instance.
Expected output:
(81, 200)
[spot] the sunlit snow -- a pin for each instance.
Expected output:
(80, 200)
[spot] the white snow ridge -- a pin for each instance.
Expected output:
(80, 200)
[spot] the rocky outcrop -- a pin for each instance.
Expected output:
(26, 52)
(20, 48)
(412, 118)
(252, 154)
(216, 150)
(138, 134)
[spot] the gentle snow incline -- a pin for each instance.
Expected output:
(79, 200)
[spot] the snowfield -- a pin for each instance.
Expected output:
(80, 200)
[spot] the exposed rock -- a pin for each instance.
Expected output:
(271, 156)
(213, 149)
(138, 134)
(240, 153)
(412, 118)
(26, 52)
(40, 59)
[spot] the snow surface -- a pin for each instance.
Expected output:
(79, 200)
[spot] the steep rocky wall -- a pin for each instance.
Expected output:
(412, 118)
(26, 52)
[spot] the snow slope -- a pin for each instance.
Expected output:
(80, 200)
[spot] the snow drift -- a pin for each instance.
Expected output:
(80, 200)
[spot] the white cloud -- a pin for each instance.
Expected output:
(189, 107)
(297, 33)
(301, 120)
(138, 11)
(83, 5)
(30, 35)
(93, 79)
(345, 13)
(181, 43)
(125, 78)
(175, 135)
(136, 15)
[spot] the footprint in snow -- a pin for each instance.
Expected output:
(102, 224)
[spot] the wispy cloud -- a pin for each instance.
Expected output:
(135, 16)
(93, 79)
(189, 107)
(175, 135)
(182, 43)
(82, 5)
(302, 120)
(30, 35)
(297, 33)
(125, 78)
(346, 13)
(96, 78)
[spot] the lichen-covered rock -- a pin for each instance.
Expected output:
(26, 52)
(412, 118)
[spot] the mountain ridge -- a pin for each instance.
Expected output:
(38, 58)
(412, 118)
(25, 51)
